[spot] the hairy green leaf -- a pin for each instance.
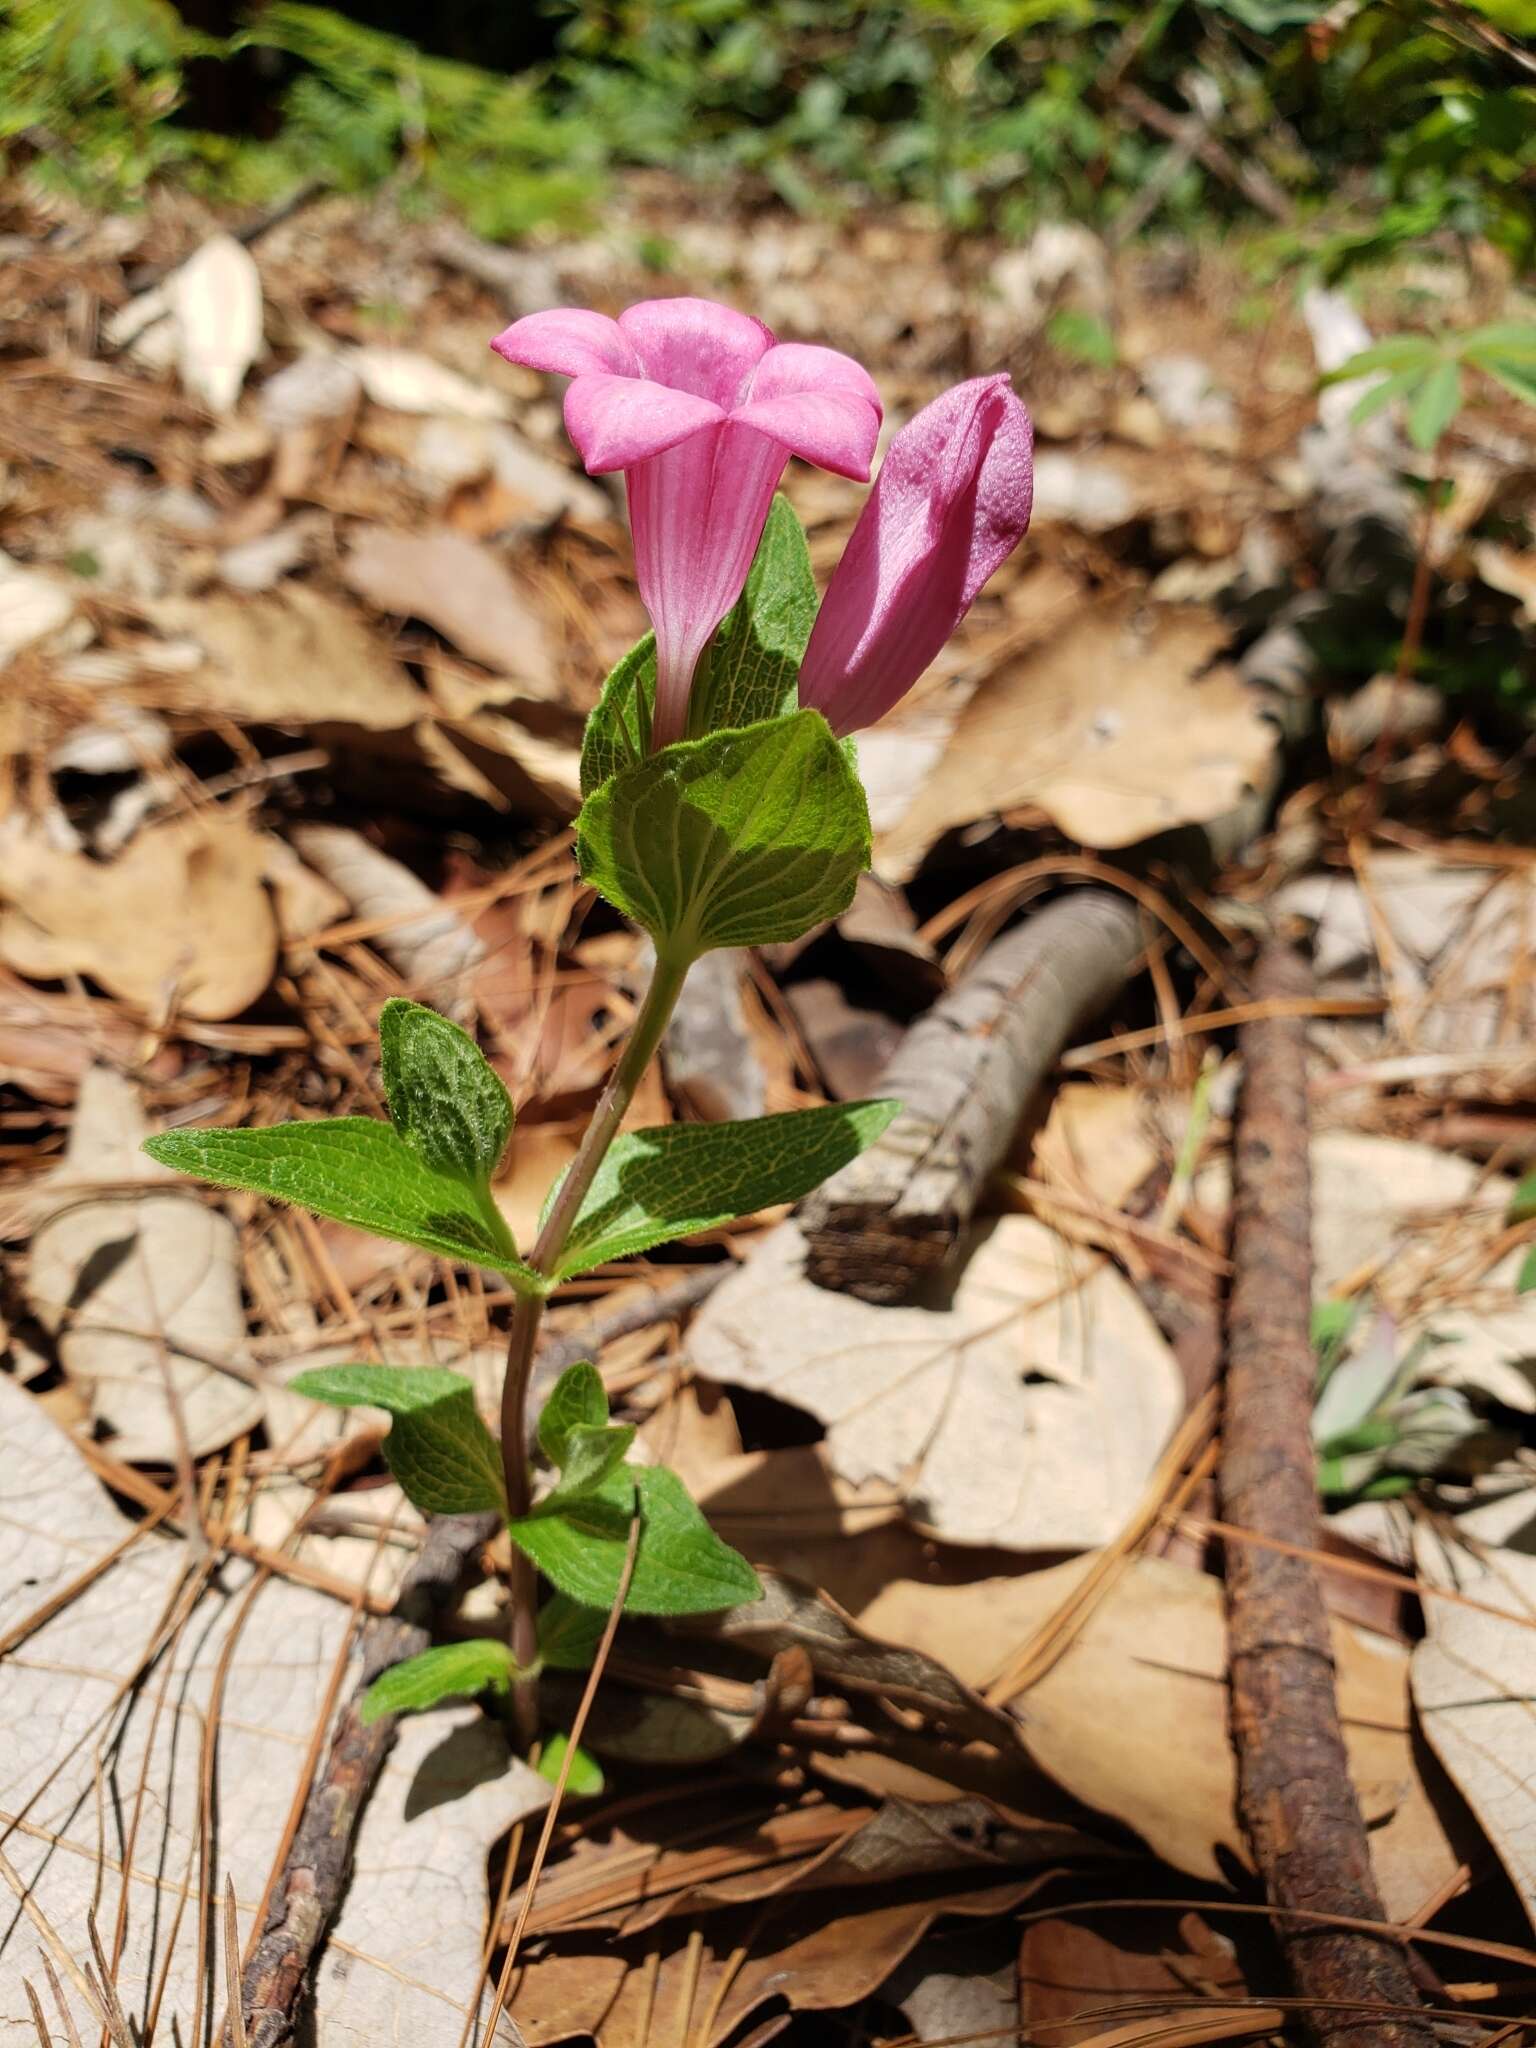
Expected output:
(453, 1671)
(666, 1183)
(590, 1455)
(569, 1633)
(438, 1448)
(584, 1780)
(741, 839)
(445, 1097)
(355, 1170)
(577, 1399)
(749, 673)
(681, 1566)
(1522, 1203)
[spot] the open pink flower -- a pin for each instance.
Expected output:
(701, 409)
(951, 502)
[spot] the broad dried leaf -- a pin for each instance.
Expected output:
(290, 657)
(1117, 728)
(1474, 1677)
(1132, 1719)
(215, 303)
(1027, 1413)
(460, 587)
(72, 1709)
(141, 1290)
(179, 921)
(405, 380)
(425, 940)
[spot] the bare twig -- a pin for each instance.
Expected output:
(1296, 1799)
(319, 1859)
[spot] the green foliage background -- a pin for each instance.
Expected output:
(1384, 123)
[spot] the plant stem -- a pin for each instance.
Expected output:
(660, 1000)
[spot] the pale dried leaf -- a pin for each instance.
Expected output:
(1118, 727)
(1027, 1413)
(70, 1713)
(180, 920)
(1474, 1680)
(404, 380)
(32, 605)
(292, 657)
(463, 589)
(1133, 1720)
(141, 1289)
(429, 944)
(215, 304)
(403, 1958)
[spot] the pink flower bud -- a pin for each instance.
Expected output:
(701, 409)
(950, 503)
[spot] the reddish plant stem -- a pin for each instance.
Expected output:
(660, 999)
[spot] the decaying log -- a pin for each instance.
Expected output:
(315, 1871)
(1296, 1799)
(964, 1074)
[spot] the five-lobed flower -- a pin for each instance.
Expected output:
(701, 408)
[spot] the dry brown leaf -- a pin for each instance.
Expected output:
(492, 757)
(813, 1963)
(1028, 1413)
(462, 588)
(291, 657)
(1412, 1229)
(215, 305)
(429, 944)
(179, 921)
(1068, 1967)
(405, 380)
(141, 1289)
(1098, 1144)
(32, 605)
(1474, 1680)
(1133, 1720)
(1118, 728)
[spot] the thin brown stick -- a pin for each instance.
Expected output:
(320, 1858)
(1295, 1796)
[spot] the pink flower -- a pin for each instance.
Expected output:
(951, 502)
(701, 409)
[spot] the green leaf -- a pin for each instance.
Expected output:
(750, 673)
(1525, 1279)
(355, 1170)
(1435, 405)
(666, 1183)
(741, 839)
(453, 1671)
(585, 1777)
(590, 1455)
(681, 1566)
(438, 1448)
(569, 1633)
(1512, 341)
(1383, 394)
(1083, 337)
(445, 1097)
(1397, 352)
(1522, 1203)
(1516, 376)
(578, 1399)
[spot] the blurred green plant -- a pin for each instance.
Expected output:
(1376, 1433)
(1426, 373)
(1376, 125)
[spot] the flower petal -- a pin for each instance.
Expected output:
(618, 421)
(952, 500)
(820, 403)
(696, 346)
(570, 341)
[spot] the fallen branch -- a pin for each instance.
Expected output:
(964, 1074)
(314, 1876)
(1295, 1797)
